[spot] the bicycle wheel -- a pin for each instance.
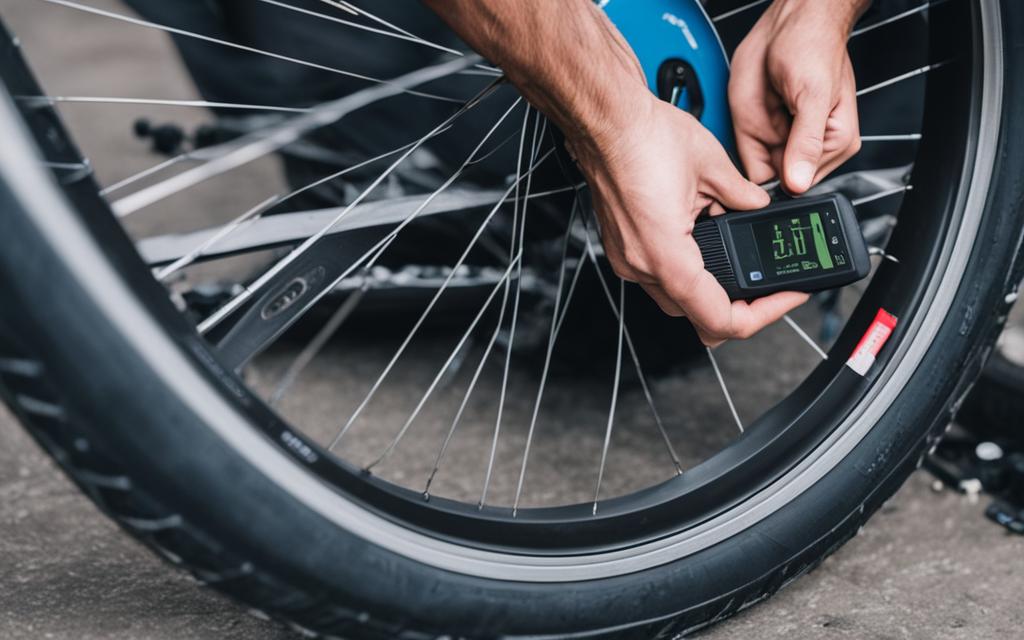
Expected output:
(463, 520)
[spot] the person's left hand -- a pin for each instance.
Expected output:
(793, 95)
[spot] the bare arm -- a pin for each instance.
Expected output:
(565, 57)
(651, 167)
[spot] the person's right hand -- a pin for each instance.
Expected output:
(649, 182)
(652, 168)
(793, 94)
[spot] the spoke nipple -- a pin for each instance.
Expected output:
(594, 511)
(426, 496)
(878, 251)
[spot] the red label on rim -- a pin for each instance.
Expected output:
(872, 342)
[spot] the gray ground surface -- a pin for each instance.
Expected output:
(928, 566)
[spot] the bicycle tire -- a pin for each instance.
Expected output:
(84, 387)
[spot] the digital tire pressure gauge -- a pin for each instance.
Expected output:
(806, 244)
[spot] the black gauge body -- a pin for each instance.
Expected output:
(806, 244)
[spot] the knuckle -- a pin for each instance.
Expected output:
(619, 267)
(855, 144)
(719, 328)
(635, 259)
(671, 310)
(811, 142)
(744, 333)
(811, 90)
(623, 272)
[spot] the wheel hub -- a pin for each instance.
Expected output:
(681, 55)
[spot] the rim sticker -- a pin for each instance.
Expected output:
(872, 342)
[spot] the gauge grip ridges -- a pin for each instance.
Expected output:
(716, 257)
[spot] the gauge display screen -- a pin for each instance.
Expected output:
(798, 245)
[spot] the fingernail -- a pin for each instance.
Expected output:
(802, 175)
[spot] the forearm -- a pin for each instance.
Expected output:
(565, 57)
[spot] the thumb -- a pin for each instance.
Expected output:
(728, 186)
(806, 142)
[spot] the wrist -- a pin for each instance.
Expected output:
(599, 125)
(590, 97)
(840, 14)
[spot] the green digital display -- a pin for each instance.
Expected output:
(795, 246)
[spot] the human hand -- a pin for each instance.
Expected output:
(649, 181)
(652, 168)
(793, 94)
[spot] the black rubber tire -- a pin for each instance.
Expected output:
(151, 462)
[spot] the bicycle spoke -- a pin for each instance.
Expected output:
(558, 315)
(447, 363)
(430, 307)
(236, 153)
(66, 166)
(725, 389)
(213, 238)
(343, 6)
(354, 10)
(615, 393)
(322, 337)
(738, 10)
(648, 396)
(310, 351)
(547, 363)
(455, 176)
(224, 231)
(900, 78)
(803, 336)
(329, 256)
(469, 390)
(515, 315)
(283, 229)
(483, 360)
(268, 276)
(157, 168)
(903, 137)
(401, 35)
(50, 100)
(576, 272)
(498, 147)
(393, 32)
(896, 18)
(490, 345)
(882, 194)
(241, 47)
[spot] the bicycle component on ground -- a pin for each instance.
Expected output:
(994, 408)
(971, 465)
(806, 244)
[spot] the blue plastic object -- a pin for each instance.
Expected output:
(661, 30)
